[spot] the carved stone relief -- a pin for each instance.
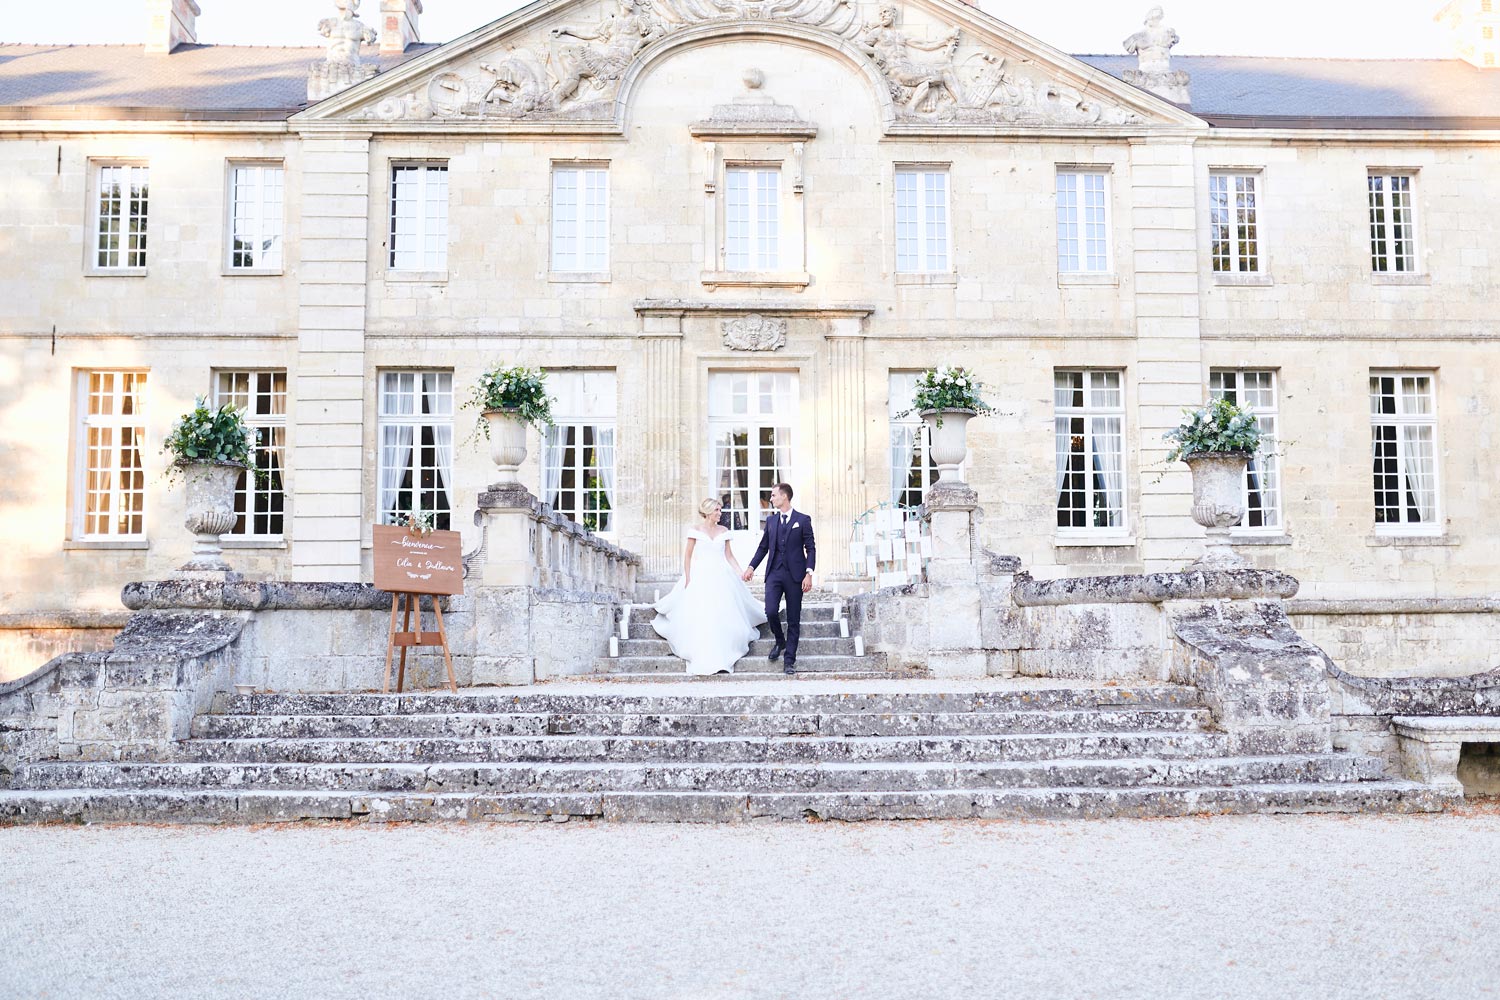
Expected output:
(754, 332)
(573, 72)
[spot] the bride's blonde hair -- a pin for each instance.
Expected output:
(708, 507)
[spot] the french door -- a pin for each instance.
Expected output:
(751, 416)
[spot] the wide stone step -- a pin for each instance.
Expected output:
(697, 724)
(758, 677)
(810, 664)
(707, 749)
(760, 647)
(769, 696)
(640, 628)
(559, 778)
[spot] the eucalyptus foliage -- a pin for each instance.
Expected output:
(518, 389)
(1219, 426)
(208, 435)
(419, 522)
(949, 388)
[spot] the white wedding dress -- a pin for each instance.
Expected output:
(711, 622)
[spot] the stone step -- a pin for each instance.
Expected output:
(769, 696)
(821, 612)
(659, 678)
(640, 628)
(465, 725)
(812, 664)
(174, 806)
(760, 647)
(706, 749)
(749, 778)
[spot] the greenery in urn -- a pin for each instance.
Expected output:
(518, 389)
(1221, 426)
(949, 388)
(208, 435)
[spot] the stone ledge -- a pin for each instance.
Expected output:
(1155, 588)
(63, 619)
(1475, 694)
(1449, 729)
(1396, 606)
(244, 595)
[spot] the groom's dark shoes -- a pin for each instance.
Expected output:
(775, 653)
(790, 667)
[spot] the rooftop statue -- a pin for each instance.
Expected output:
(346, 33)
(1152, 47)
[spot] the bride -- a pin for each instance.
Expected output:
(709, 619)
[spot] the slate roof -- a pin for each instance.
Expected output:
(242, 81)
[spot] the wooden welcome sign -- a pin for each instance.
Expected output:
(409, 564)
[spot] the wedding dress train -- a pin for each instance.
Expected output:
(711, 622)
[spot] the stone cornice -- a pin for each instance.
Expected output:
(681, 307)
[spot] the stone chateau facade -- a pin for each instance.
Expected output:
(733, 231)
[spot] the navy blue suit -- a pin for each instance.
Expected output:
(790, 553)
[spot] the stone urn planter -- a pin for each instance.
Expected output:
(210, 513)
(1218, 504)
(507, 443)
(948, 431)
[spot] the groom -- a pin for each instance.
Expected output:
(788, 540)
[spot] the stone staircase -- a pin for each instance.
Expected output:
(822, 651)
(821, 746)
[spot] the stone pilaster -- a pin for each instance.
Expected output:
(664, 514)
(1169, 373)
(327, 441)
(844, 453)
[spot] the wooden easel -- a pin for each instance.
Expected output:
(406, 638)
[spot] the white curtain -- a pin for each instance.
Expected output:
(396, 443)
(1064, 440)
(552, 462)
(1416, 443)
(442, 442)
(1108, 460)
(604, 446)
(903, 440)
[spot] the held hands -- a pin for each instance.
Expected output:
(807, 584)
(748, 575)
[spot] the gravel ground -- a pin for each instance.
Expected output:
(1319, 906)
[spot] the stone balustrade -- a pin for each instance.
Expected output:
(526, 543)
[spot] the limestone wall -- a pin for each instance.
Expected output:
(1431, 638)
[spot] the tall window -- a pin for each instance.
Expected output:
(120, 216)
(752, 218)
(419, 217)
(415, 424)
(1255, 391)
(1082, 222)
(260, 494)
(912, 469)
(580, 219)
(578, 456)
(921, 221)
(1234, 210)
(1393, 231)
(112, 474)
(1089, 408)
(255, 216)
(1403, 431)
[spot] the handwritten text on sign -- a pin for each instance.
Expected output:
(418, 564)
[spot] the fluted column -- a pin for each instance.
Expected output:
(662, 412)
(845, 421)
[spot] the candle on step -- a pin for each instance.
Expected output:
(859, 645)
(844, 628)
(625, 622)
(614, 646)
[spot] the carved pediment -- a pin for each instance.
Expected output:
(572, 61)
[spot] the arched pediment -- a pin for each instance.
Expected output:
(573, 65)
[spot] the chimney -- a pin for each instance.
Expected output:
(1474, 25)
(398, 25)
(170, 23)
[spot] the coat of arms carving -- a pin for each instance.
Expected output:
(754, 333)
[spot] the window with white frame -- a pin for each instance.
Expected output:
(1403, 432)
(912, 469)
(419, 217)
(1234, 222)
(921, 221)
(1255, 392)
(1393, 230)
(1083, 222)
(415, 426)
(120, 214)
(580, 218)
(255, 216)
(752, 218)
(1089, 412)
(260, 492)
(110, 498)
(578, 453)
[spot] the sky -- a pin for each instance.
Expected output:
(1346, 28)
